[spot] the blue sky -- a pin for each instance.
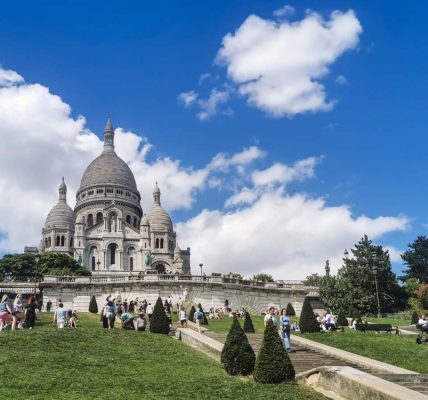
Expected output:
(131, 61)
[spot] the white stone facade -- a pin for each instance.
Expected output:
(107, 231)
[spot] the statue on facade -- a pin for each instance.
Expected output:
(185, 294)
(147, 259)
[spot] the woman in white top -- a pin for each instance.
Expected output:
(17, 312)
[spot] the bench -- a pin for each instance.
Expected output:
(375, 327)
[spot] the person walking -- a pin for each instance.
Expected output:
(199, 315)
(48, 306)
(30, 312)
(5, 312)
(183, 318)
(285, 324)
(110, 314)
(60, 316)
(270, 316)
(149, 310)
(17, 312)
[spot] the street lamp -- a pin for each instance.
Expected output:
(37, 260)
(200, 266)
(98, 266)
(379, 315)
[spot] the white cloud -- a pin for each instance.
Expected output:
(278, 65)
(341, 79)
(209, 107)
(223, 161)
(187, 98)
(204, 77)
(287, 236)
(284, 11)
(9, 78)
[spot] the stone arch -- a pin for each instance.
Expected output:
(99, 217)
(112, 254)
(90, 220)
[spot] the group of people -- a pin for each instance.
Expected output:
(19, 315)
(65, 318)
(328, 322)
(284, 322)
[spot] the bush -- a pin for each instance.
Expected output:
(248, 323)
(341, 319)
(237, 356)
(191, 313)
(273, 364)
(415, 318)
(356, 316)
(159, 322)
(204, 318)
(290, 310)
(308, 322)
(93, 306)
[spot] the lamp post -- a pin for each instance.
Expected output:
(98, 266)
(379, 315)
(37, 260)
(200, 266)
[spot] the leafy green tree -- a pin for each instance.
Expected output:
(262, 278)
(290, 310)
(273, 364)
(415, 318)
(308, 322)
(159, 322)
(204, 318)
(93, 306)
(248, 323)
(341, 319)
(313, 280)
(416, 260)
(237, 356)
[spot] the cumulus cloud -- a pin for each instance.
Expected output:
(284, 11)
(187, 98)
(209, 107)
(278, 65)
(287, 236)
(9, 77)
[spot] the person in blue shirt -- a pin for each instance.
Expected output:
(285, 324)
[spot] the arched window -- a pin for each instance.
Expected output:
(58, 241)
(161, 243)
(128, 219)
(93, 263)
(46, 242)
(90, 220)
(49, 242)
(71, 242)
(131, 263)
(135, 222)
(157, 243)
(112, 247)
(62, 241)
(99, 217)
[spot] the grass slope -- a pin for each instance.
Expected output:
(93, 363)
(399, 350)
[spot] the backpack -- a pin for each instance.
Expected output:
(199, 315)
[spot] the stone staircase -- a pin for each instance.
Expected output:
(418, 383)
(248, 308)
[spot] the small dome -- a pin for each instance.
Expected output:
(177, 250)
(145, 221)
(61, 216)
(159, 219)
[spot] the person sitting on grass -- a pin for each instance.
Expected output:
(423, 322)
(73, 320)
(60, 316)
(127, 321)
(328, 321)
(141, 323)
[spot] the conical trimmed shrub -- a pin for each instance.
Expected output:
(191, 313)
(290, 310)
(237, 356)
(248, 323)
(273, 364)
(308, 322)
(93, 306)
(341, 319)
(415, 318)
(204, 318)
(159, 322)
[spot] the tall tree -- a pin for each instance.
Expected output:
(263, 278)
(313, 280)
(416, 260)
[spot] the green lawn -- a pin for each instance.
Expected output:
(392, 321)
(93, 363)
(399, 350)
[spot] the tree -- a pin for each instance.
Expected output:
(416, 260)
(356, 316)
(415, 318)
(159, 322)
(290, 310)
(93, 306)
(191, 313)
(308, 322)
(341, 319)
(204, 318)
(248, 323)
(237, 356)
(312, 280)
(262, 278)
(273, 364)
